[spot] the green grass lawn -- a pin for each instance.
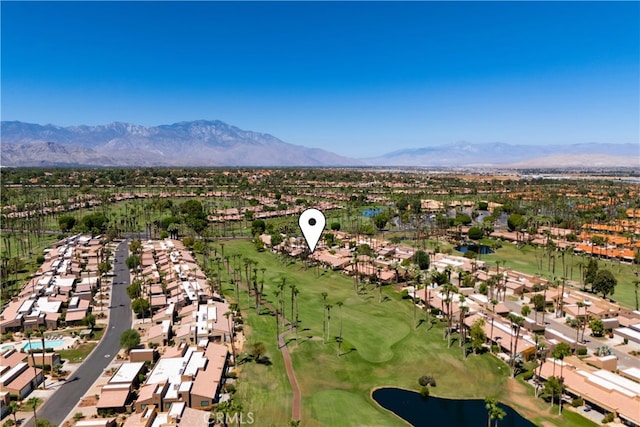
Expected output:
(381, 348)
(77, 354)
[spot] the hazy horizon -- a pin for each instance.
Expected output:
(359, 79)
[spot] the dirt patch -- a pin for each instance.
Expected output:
(527, 405)
(88, 401)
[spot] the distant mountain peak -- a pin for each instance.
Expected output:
(500, 154)
(186, 143)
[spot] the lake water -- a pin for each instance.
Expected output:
(435, 411)
(369, 213)
(481, 249)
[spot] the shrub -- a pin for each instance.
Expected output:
(578, 401)
(608, 418)
(427, 380)
(527, 375)
(475, 233)
(129, 339)
(424, 392)
(581, 352)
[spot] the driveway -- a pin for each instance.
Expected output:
(67, 396)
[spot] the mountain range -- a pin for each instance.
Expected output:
(464, 154)
(215, 143)
(196, 143)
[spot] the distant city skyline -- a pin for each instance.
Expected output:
(356, 78)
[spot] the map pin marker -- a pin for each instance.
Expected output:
(312, 223)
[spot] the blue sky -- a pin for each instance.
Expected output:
(356, 78)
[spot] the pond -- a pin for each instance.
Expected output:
(371, 212)
(481, 249)
(435, 411)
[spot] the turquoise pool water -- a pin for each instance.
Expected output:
(47, 344)
(6, 347)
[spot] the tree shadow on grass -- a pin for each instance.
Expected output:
(345, 352)
(243, 358)
(265, 311)
(304, 339)
(288, 341)
(264, 360)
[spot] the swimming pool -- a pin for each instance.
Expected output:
(6, 347)
(36, 345)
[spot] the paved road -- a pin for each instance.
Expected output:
(66, 397)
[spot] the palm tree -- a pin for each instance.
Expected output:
(355, 272)
(294, 300)
(582, 266)
(516, 323)
(448, 288)
(281, 287)
(636, 283)
(294, 292)
(34, 402)
(413, 300)
(498, 414)
(324, 321)
(579, 320)
(541, 355)
(261, 291)
(328, 306)
(276, 293)
(41, 331)
(463, 310)
(28, 333)
(554, 386)
(494, 302)
(379, 283)
(544, 302)
(427, 303)
(490, 405)
(561, 301)
(12, 409)
(229, 316)
(340, 304)
(492, 282)
(559, 353)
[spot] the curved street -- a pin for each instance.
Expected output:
(58, 406)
